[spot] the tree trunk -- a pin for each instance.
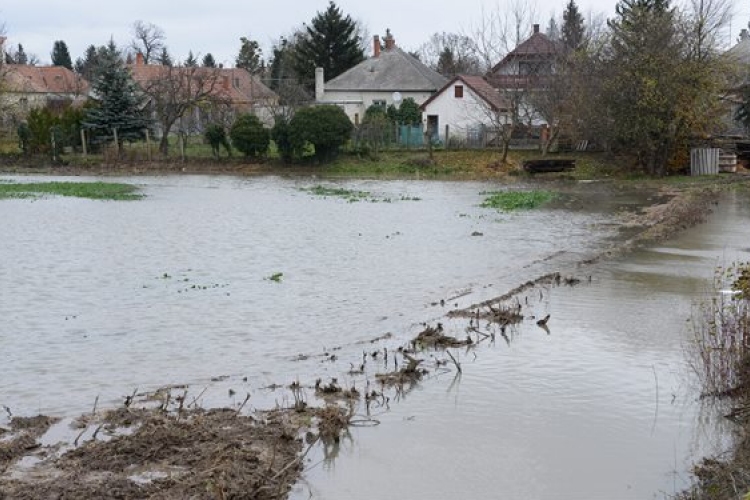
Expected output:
(164, 141)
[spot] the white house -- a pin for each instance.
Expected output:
(386, 78)
(464, 109)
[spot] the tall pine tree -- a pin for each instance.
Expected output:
(331, 42)
(120, 103)
(208, 61)
(573, 30)
(250, 56)
(191, 61)
(60, 55)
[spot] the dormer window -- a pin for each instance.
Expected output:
(458, 91)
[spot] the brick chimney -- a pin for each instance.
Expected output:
(376, 46)
(536, 29)
(139, 61)
(390, 42)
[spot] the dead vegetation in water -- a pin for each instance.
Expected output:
(720, 356)
(197, 454)
(22, 438)
(434, 337)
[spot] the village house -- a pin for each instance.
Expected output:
(524, 71)
(25, 87)
(464, 111)
(233, 91)
(388, 77)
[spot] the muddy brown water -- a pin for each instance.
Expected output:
(100, 298)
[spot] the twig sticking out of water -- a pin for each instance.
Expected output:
(456, 363)
(247, 398)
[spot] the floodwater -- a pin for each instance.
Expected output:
(100, 298)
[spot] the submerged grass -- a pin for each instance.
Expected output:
(337, 192)
(90, 190)
(509, 201)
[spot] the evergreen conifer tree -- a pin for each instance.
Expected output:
(573, 30)
(250, 56)
(191, 61)
(331, 42)
(61, 55)
(121, 105)
(208, 61)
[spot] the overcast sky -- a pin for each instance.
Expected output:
(205, 26)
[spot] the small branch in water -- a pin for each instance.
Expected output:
(96, 402)
(196, 398)
(458, 365)
(247, 398)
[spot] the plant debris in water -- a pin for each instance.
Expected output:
(186, 454)
(90, 190)
(720, 356)
(353, 196)
(276, 277)
(508, 201)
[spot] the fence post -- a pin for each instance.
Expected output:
(447, 135)
(83, 143)
(54, 146)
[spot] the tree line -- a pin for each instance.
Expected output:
(645, 83)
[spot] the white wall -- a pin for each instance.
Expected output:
(460, 114)
(355, 103)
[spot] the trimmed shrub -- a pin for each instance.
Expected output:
(250, 136)
(281, 133)
(327, 128)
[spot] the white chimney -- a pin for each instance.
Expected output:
(319, 84)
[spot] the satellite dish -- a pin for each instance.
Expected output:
(397, 97)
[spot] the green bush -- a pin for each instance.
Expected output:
(216, 137)
(250, 136)
(282, 136)
(327, 128)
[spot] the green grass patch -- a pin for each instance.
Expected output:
(508, 201)
(90, 190)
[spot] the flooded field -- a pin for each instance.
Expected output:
(224, 282)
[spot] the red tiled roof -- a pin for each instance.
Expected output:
(479, 86)
(235, 84)
(44, 79)
(537, 45)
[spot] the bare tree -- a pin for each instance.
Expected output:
(177, 91)
(451, 54)
(148, 39)
(501, 29)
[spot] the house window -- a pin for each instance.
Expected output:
(236, 83)
(356, 118)
(24, 104)
(458, 91)
(379, 102)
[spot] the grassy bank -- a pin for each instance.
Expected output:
(90, 190)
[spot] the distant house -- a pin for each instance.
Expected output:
(387, 77)
(236, 89)
(525, 70)
(27, 87)
(464, 109)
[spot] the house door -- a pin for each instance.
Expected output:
(433, 126)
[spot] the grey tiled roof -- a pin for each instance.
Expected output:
(394, 70)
